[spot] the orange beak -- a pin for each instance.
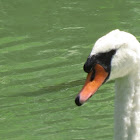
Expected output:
(91, 87)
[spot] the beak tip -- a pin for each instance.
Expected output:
(77, 101)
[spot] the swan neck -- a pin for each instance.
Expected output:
(127, 107)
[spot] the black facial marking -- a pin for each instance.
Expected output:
(89, 64)
(104, 59)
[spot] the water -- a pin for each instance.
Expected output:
(43, 46)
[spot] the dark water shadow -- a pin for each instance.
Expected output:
(51, 89)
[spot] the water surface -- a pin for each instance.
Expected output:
(43, 46)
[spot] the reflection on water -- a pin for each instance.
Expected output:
(43, 46)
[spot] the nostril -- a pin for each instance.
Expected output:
(77, 101)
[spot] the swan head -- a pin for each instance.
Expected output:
(113, 56)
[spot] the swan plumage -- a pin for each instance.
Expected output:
(118, 53)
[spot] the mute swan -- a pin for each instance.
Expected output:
(116, 56)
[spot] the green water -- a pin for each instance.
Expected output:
(43, 46)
